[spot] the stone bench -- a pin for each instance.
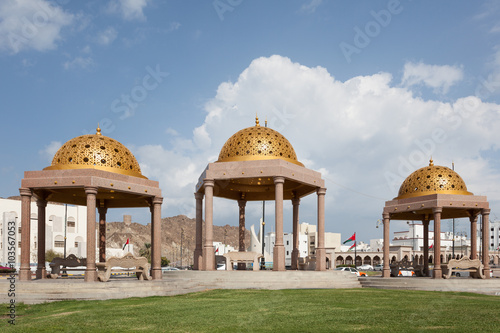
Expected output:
(128, 263)
(69, 261)
(474, 266)
(243, 257)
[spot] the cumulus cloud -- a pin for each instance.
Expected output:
(50, 150)
(107, 36)
(366, 135)
(130, 10)
(33, 24)
(439, 78)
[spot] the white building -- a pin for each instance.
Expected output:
(55, 229)
(495, 235)
(414, 238)
(307, 242)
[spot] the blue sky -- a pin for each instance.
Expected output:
(360, 89)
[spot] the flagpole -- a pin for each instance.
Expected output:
(355, 251)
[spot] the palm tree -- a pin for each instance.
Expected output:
(146, 251)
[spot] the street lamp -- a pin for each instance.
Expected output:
(412, 238)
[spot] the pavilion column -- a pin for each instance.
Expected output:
(41, 272)
(279, 248)
(425, 223)
(24, 270)
(473, 236)
(295, 222)
(90, 271)
(102, 231)
(199, 231)
(241, 204)
(208, 253)
(386, 272)
(437, 242)
(486, 241)
(320, 250)
(156, 239)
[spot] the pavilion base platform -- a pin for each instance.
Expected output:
(175, 283)
(478, 286)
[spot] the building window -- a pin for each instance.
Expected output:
(287, 242)
(19, 229)
(59, 244)
(287, 253)
(71, 224)
(18, 244)
(76, 244)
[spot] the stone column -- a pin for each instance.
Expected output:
(156, 239)
(386, 272)
(295, 251)
(208, 248)
(473, 236)
(486, 241)
(437, 242)
(41, 272)
(279, 248)
(102, 231)
(321, 251)
(199, 231)
(90, 271)
(24, 270)
(241, 204)
(425, 223)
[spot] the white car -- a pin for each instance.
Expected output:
(365, 267)
(350, 270)
(378, 267)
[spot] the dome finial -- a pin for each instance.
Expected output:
(266, 122)
(98, 131)
(431, 162)
(256, 120)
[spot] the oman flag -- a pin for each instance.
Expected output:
(351, 239)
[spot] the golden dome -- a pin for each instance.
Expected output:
(96, 151)
(257, 143)
(432, 179)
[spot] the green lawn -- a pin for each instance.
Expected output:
(311, 310)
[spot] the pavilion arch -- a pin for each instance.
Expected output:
(339, 261)
(433, 193)
(94, 171)
(255, 164)
(376, 260)
(367, 260)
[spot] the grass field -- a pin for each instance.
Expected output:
(312, 310)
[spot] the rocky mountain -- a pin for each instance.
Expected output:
(171, 230)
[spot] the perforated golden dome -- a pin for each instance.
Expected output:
(432, 179)
(96, 151)
(257, 143)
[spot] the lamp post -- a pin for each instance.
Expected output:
(182, 236)
(412, 238)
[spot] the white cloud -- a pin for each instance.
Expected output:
(107, 36)
(50, 150)
(78, 62)
(366, 135)
(440, 78)
(130, 10)
(310, 7)
(31, 24)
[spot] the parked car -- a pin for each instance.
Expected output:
(169, 268)
(350, 270)
(365, 267)
(405, 272)
(378, 267)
